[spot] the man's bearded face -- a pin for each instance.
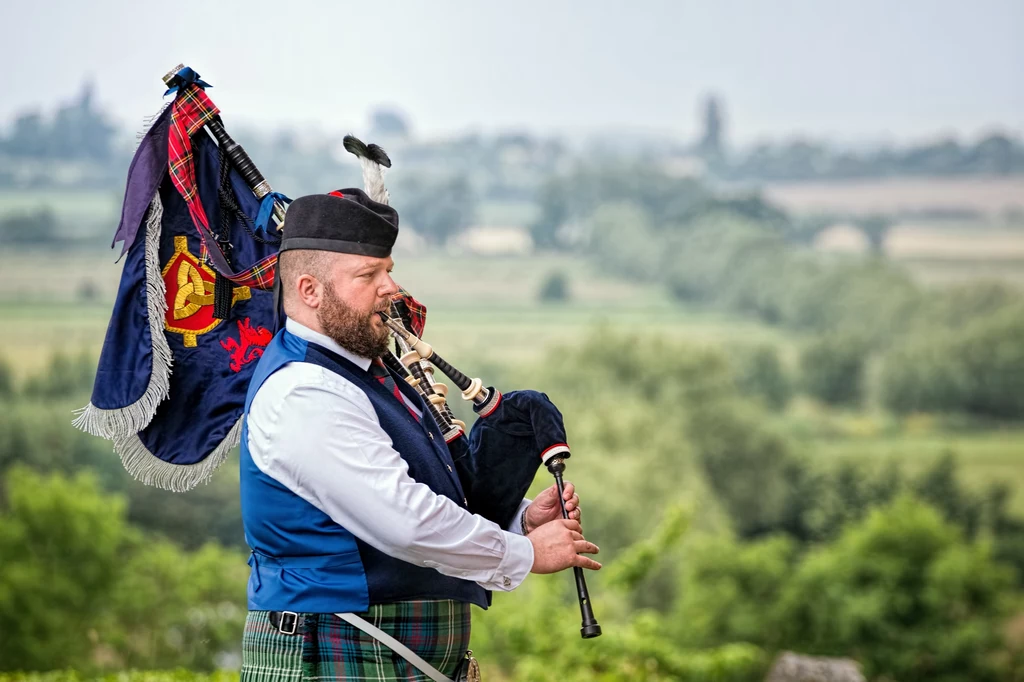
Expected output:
(362, 333)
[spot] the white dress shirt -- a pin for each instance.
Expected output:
(317, 434)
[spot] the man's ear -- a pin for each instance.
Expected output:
(309, 290)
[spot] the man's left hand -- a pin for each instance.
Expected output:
(545, 506)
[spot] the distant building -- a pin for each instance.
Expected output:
(842, 238)
(493, 241)
(684, 166)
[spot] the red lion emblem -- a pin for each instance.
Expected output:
(250, 345)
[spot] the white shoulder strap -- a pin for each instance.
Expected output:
(393, 644)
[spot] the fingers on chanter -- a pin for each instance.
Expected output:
(587, 562)
(570, 490)
(585, 547)
(572, 524)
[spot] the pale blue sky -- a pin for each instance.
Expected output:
(852, 70)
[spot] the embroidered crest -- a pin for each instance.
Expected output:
(249, 346)
(189, 286)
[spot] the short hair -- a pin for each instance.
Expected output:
(294, 263)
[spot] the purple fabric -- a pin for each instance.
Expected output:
(144, 175)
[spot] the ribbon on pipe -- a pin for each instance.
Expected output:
(267, 209)
(184, 78)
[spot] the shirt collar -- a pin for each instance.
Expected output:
(303, 332)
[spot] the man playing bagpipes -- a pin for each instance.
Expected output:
(350, 498)
(375, 521)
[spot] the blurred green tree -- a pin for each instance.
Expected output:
(904, 594)
(728, 589)
(62, 543)
(832, 369)
(761, 375)
(437, 208)
(876, 228)
(65, 376)
(554, 288)
(7, 386)
(81, 588)
(976, 369)
(36, 227)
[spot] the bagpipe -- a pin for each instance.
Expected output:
(197, 304)
(513, 435)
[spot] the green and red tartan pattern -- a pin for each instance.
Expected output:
(192, 109)
(331, 649)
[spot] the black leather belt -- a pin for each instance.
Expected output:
(287, 622)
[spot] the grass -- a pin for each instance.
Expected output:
(985, 458)
(951, 271)
(484, 311)
(480, 308)
(987, 453)
(69, 206)
(991, 196)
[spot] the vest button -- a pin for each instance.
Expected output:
(430, 435)
(449, 467)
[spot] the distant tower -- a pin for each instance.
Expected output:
(710, 146)
(85, 99)
(389, 125)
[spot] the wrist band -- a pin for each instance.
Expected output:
(522, 523)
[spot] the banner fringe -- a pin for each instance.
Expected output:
(129, 420)
(149, 469)
(147, 123)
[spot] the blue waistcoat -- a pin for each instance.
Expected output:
(301, 559)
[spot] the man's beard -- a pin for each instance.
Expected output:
(352, 330)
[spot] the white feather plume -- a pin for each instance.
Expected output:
(373, 180)
(373, 161)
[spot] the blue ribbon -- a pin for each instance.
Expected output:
(187, 77)
(267, 208)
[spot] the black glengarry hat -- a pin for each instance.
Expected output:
(344, 221)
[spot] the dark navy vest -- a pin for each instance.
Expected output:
(301, 559)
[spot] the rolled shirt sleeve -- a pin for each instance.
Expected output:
(329, 448)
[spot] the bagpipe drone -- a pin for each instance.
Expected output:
(200, 227)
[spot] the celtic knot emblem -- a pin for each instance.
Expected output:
(190, 285)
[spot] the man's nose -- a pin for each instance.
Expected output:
(390, 288)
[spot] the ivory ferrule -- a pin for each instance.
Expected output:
(475, 387)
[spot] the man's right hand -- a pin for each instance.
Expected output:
(560, 544)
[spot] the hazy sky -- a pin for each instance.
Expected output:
(852, 70)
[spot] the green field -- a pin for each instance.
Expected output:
(987, 457)
(484, 311)
(486, 308)
(68, 205)
(986, 454)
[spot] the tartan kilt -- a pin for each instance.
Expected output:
(328, 648)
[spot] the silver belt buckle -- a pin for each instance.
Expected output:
(295, 623)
